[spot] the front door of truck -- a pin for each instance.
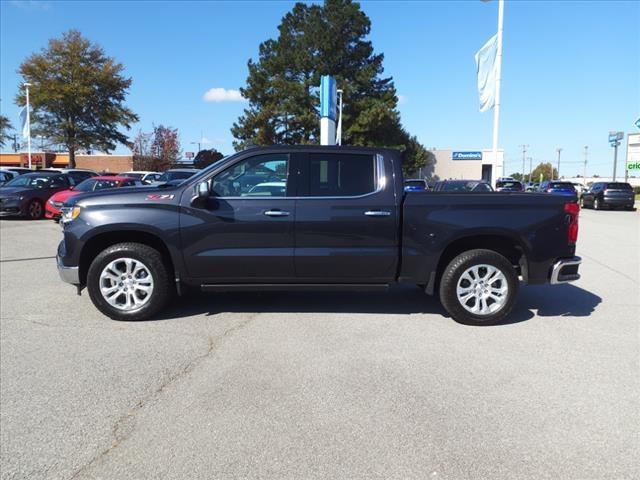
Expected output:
(346, 228)
(243, 232)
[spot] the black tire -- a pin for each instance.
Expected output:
(596, 204)
(35, 210)
(458, 266)
(152, 259)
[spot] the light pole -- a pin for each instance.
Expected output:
(584, 172)
(524, 151)
(196, 143)
(530, 166)
(26, 86)
(614, 141)
(559, 150)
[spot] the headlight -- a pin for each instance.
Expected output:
(69, 214)
(21, 197)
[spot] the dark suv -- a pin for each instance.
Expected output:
(608, 194)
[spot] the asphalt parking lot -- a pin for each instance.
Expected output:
(316, 385)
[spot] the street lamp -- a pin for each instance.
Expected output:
(26, 86)
(339, 133)
(196, 143)
(559, 150)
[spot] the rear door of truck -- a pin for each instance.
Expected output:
(347, 218)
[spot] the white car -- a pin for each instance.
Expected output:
(268, 189)
(579, 188)
(145, 176)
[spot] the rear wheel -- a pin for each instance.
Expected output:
(34, 210)
(479, 287)
(597, 204)
(129, 281)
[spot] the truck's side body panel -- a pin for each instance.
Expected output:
(433, 221)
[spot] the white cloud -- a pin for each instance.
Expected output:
(222, 95)
(402, 99)
(212, 141)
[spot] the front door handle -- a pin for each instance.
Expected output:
(377, 213)
(276, 213)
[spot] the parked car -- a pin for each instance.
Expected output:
(343, 222)
(609, 195)
(93, 184)
(27, 194)
(509, 186)
(144, 176)
(532, 187)
(557, 187)
(462, 186)
(18, 170)
(77, 175)
(580, 189)
(175, 174)
(415, 185)
(6, 175)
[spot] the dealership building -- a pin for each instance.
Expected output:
(464, 164)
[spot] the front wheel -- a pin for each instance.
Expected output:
(129, 281)
(597, 205)
(479, 287)
(34, 210)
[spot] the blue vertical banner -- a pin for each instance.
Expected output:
(328, 97)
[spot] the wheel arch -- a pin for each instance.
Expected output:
(101, 241)
(504, 244)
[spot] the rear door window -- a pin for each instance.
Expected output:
(619, 186)
(340, 175)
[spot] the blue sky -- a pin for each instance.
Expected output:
(571, 70)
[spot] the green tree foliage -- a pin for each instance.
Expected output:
(5, 127)
(282, 86)
(517, 176)
(547, 171)
(77, 95)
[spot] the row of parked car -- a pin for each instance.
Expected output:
(34, 194)
(599, 195)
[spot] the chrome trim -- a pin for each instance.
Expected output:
(68, 274)
(276, 213)
(381, 183)
(559, 265)
(377, 213)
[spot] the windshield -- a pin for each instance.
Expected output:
(414, 183)
(462, 186)
(562, 185)
(168, 176)
(35, 181)
(619, 186)
(508, 185)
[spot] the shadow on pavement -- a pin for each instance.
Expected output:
(542, 300)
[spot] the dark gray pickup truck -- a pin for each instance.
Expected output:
(320, 218)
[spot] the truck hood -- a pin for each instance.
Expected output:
(126, 195)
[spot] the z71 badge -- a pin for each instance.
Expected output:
(157, 196)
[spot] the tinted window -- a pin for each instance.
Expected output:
(86, 186)
(563, 185)
(464, 187)
(259, 176)
(619, 186)
(169, 175)
(104, 184)
(340, 175)
(415, 183)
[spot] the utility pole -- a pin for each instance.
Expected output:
(26, 86)
(584, 172)
(614, 141)
(524, 151)
(559, 150)
(530, 167)
(498, 64)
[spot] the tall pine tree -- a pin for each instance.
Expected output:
(282, 86)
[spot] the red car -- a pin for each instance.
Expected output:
(93, 184)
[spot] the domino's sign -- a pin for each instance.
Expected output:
(466, 156)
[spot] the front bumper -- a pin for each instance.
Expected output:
(68, 274)
(565, 270)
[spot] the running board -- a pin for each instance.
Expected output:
(316, 287)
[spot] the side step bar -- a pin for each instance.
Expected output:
(306, 287)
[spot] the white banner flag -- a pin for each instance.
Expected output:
(23, 122)
(486, 69)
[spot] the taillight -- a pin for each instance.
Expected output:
(572, 210)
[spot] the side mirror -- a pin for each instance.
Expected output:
(200, 194)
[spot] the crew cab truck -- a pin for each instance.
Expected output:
(342, 221)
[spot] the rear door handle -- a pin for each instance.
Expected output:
(276, 213)
(377, 213)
